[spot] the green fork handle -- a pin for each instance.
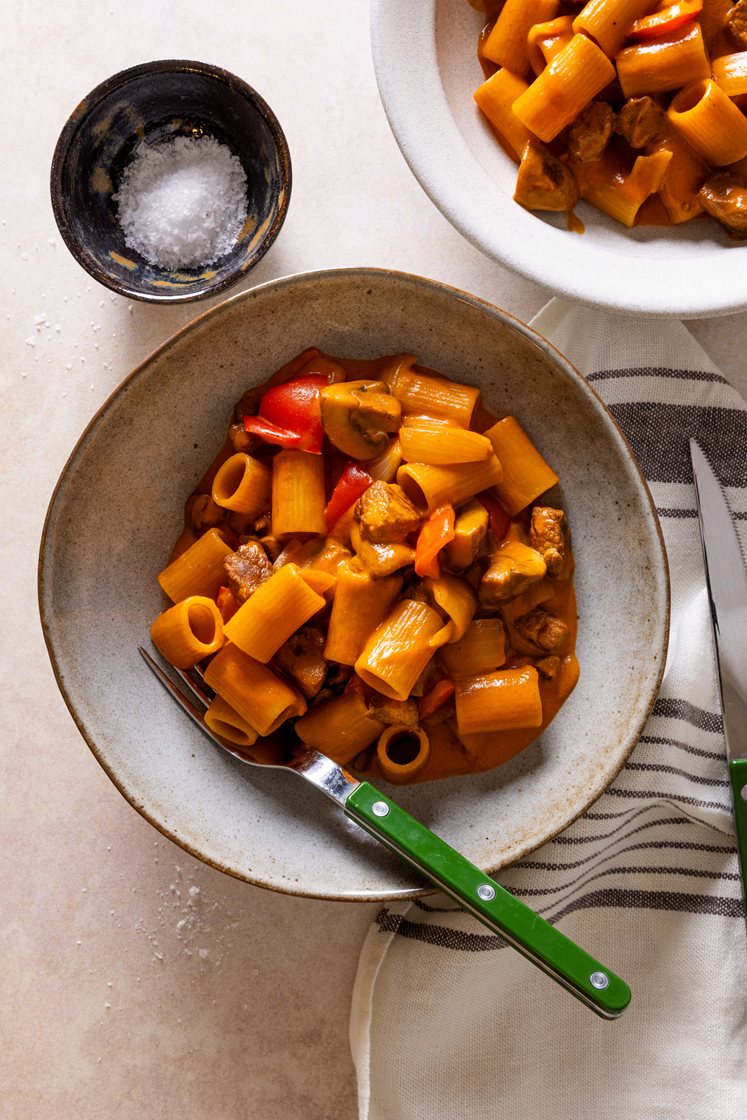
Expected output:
(738, 779)
(558, 956)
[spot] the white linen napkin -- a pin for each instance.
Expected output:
(447, 1022)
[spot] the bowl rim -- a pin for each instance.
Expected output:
(76, 121)
(406, 64)
(249, 295)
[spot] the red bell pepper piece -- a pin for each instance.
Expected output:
(352, 483)
(290, 414)
(666, 20)
(270, 433)
(498, 519)
(437, 532)
(436, 697)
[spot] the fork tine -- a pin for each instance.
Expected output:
(201, 693)
(183, 701)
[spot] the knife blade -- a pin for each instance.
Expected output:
(726, 581)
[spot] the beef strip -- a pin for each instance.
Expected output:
(543, 182)
(724, 197)
(590, 133)
(547, 667)
(302, 656)
(736, 24)
(542, 629)
(547, 535)
(385, 514)
(641, 122)
(246, 569)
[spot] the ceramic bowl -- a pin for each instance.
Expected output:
(118, 508)
(427, 70)
(149, 103)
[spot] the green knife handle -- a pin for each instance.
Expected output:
(738, 779)
(499, 910)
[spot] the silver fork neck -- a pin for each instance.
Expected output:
(325, 774)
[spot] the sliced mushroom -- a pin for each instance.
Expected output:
(515, 566)
(379, 560)
(358, 417)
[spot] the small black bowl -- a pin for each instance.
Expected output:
(151, 102)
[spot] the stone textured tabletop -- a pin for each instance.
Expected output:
(138, 982)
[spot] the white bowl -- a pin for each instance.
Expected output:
(118, 508)
(427, 70)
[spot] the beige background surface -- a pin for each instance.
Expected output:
(136, 981)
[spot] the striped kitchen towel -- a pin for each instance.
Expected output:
(447, 1022)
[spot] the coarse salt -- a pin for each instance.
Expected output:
(182, 202)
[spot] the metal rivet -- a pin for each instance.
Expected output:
(486, 892)
(380, 808)
(743, 793)
(599, 980)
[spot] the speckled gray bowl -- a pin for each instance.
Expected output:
(118, 508)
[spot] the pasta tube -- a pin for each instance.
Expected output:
(298, 494)
(504, 701)
(254, 691)
(526, 475)
(198, 570)
(441, 445)
(546, 39)
(228, 724)
(341, 728)
(425, 394)
(664, 64)
(577, 73)
(399, 649)
(402, 752)
(730, 73)
(360, 604)
(243, 484)
(482, 649)
(276, 610)
(710, 122)
(430, 487)
(507, 42)
(188, 631)
(682, 180)
(457, 600)
(608, 186)
(609, 21)
(495, 98)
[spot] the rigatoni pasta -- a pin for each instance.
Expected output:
(394, 611)
(633, 107)
(576, 74)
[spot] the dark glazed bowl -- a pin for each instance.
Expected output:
(151, 102)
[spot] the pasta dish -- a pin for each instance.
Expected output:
(634, 106)
(369, 567)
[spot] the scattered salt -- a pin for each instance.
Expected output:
(182, 202)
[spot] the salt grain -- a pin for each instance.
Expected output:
(182, 202)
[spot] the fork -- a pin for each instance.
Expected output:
(544, 945)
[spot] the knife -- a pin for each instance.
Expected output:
(726, 580)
